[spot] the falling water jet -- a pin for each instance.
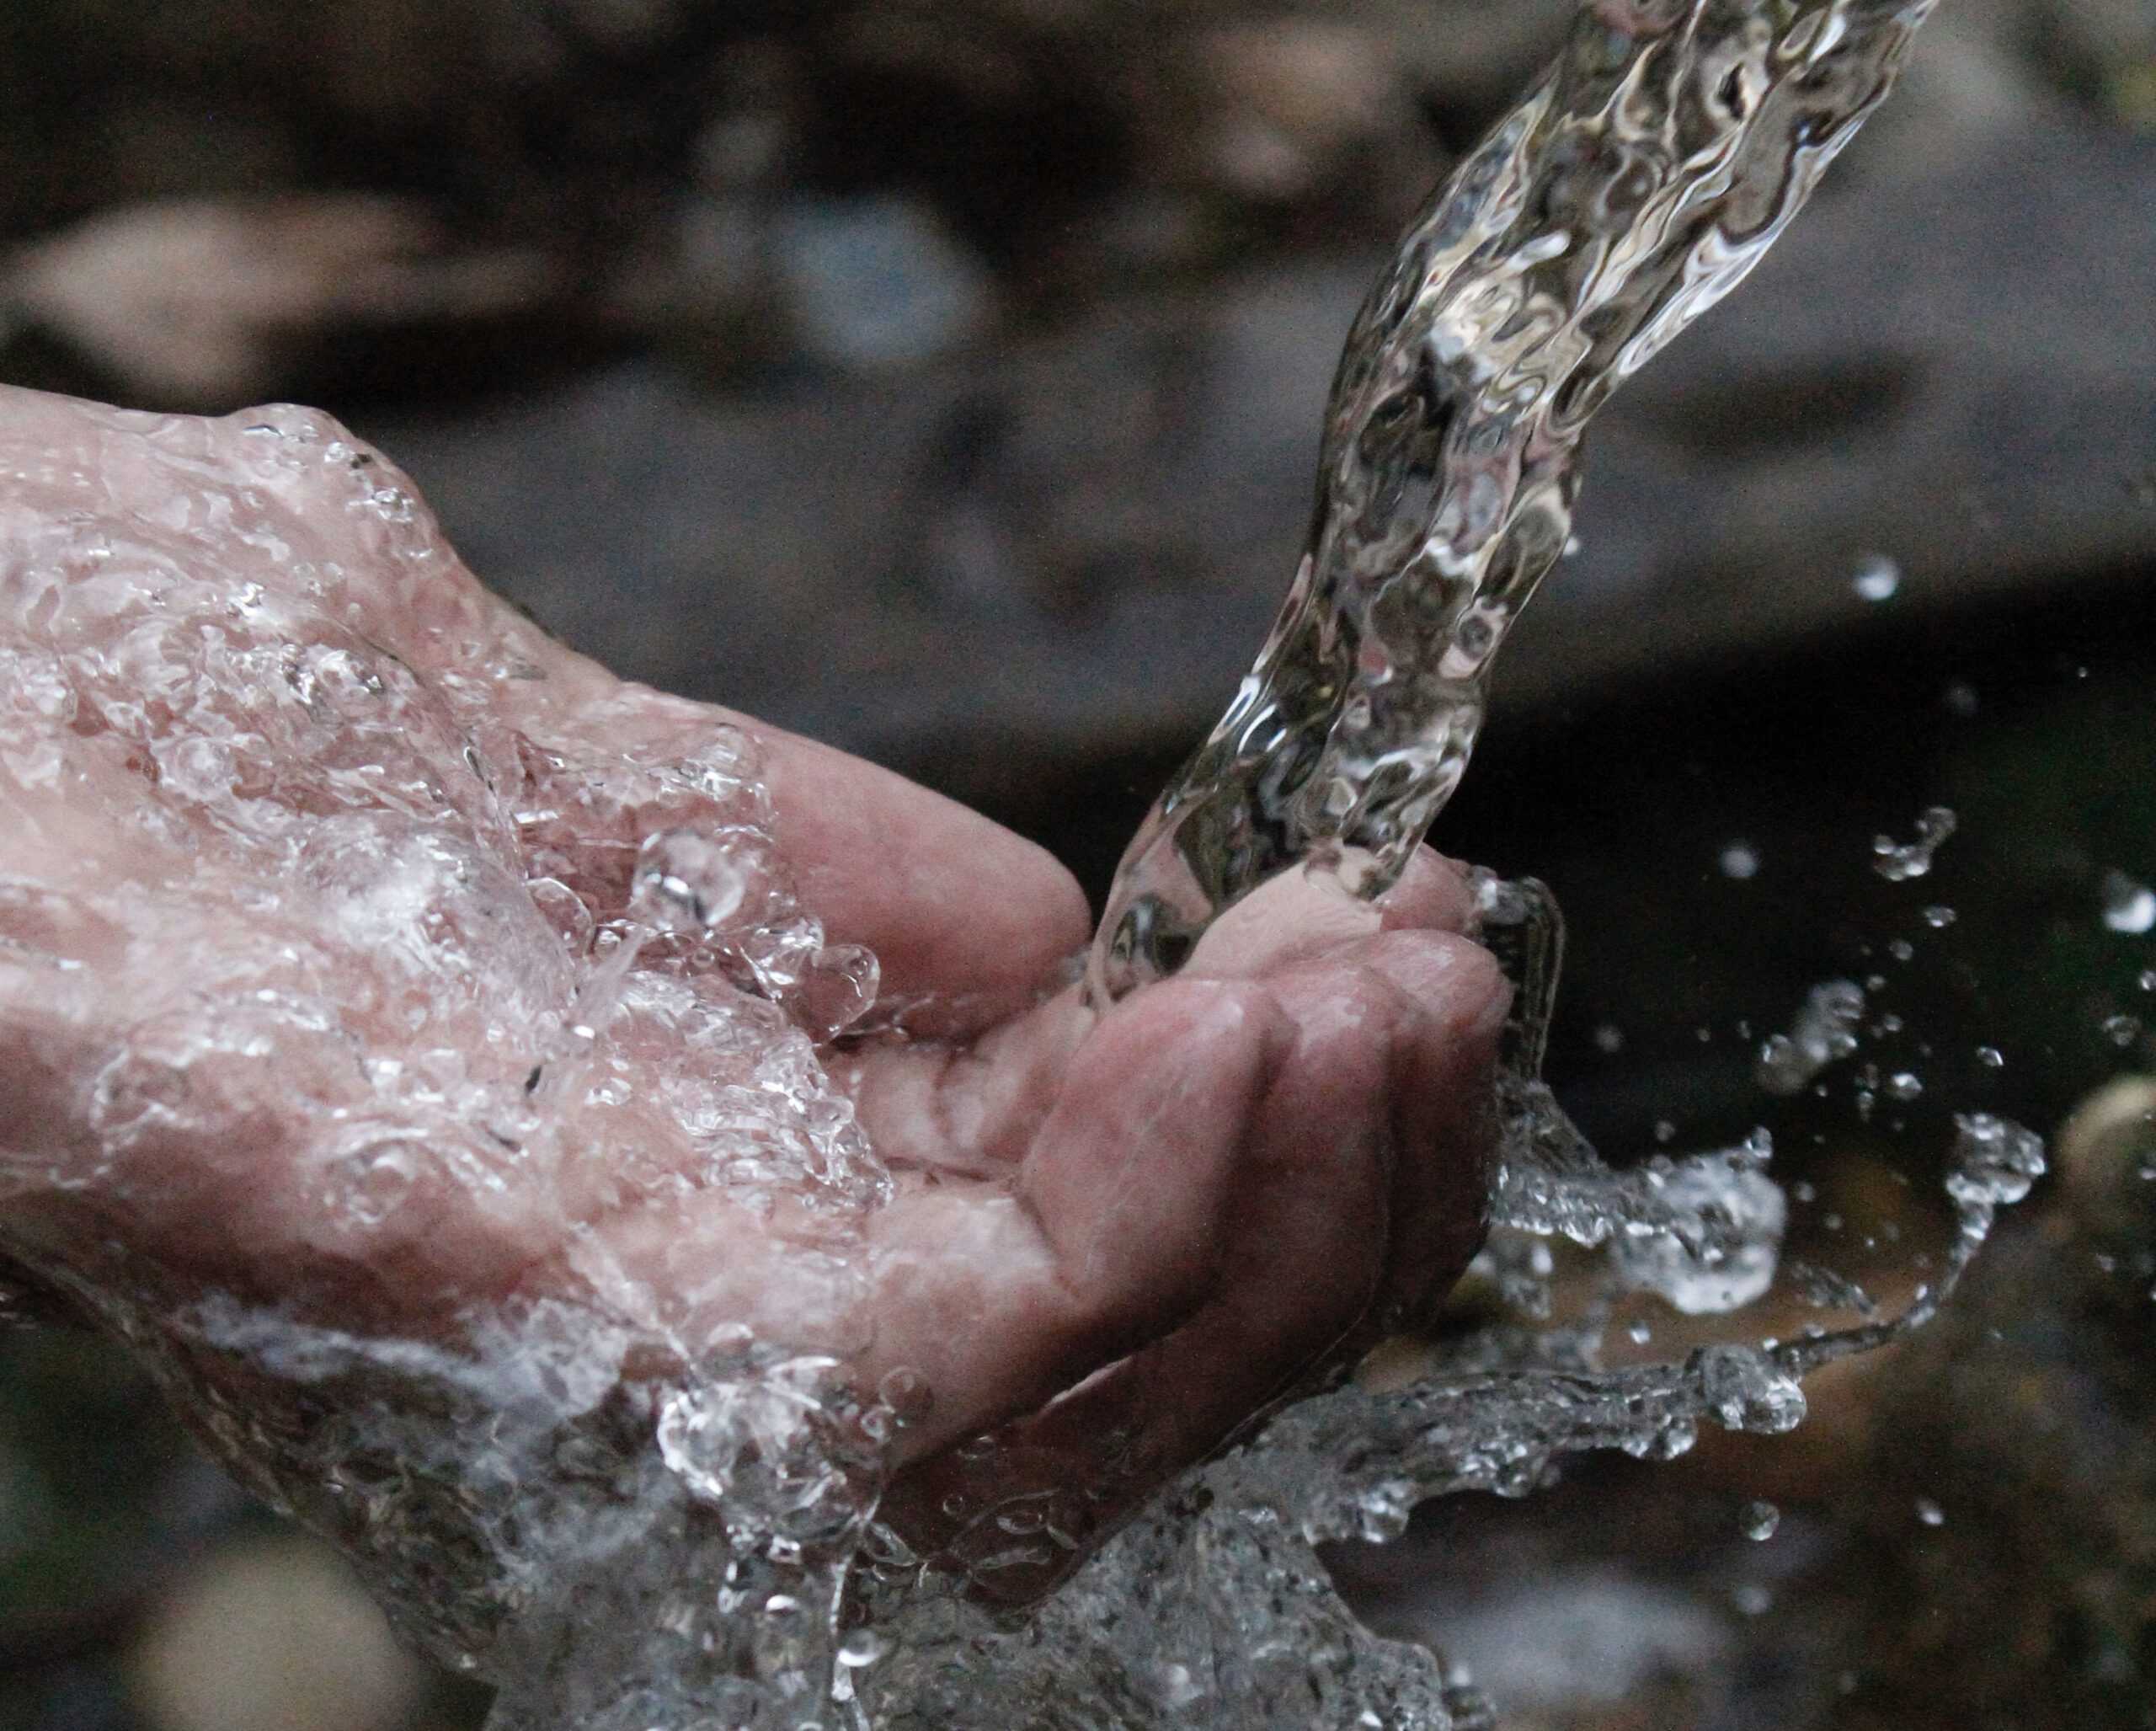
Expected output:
(1637, 183)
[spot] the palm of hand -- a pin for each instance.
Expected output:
(321, 983)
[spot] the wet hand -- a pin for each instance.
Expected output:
(310, 852)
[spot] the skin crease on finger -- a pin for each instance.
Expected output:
(1113, 1237)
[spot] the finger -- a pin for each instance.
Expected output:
(966, 1108)
(1303, 914)
(1454, 997)
(972, 921)
(1303, 1259)
(1003, 1296)
(1433, 894)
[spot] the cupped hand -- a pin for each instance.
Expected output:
(322, 984)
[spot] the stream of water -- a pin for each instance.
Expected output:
(1639, 182)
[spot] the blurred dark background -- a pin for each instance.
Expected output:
(941, 377)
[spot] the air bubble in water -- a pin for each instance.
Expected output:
(1740, 860)
(1899, 861)
(1930, 1513)
(1876, 578)
(2129, 905)
(1938, 918)
(2123, 1030)
(1758, 1520)
(1990, 1057)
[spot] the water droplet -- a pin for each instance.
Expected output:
(1930, 1513)
(1740, 860)
(372, 1181)
(1639, 1334)
(861, 1647)
(1995, 1161)
(1876, 578)
(2129, 905)
(2123, 1030)
(1961, 699)
(1178, 1687)
(1745, 1390)
(1899, 861)
(686, 882)
(1609, 1038)
(1938, 918)
(1758, 1520)
(1823, 1033)
(1990, 1057)
(1665, 1132)
(1904, 1085)
(1754, 1598)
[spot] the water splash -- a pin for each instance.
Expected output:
(1898, 862)
(358, 957)
(1823, 1033)
(1636, 186)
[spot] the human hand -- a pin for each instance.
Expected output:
(329, 978)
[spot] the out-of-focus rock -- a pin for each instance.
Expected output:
(273, 1636)
(1284, 110)
(1075, 546)
(1969, 87)
(2103, 52)
(2105, 1156)
(703, 289)
(204, 304)
(876, 282)
(1470, 58)
(1011, 119)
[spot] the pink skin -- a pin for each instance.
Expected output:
(1186, 1206)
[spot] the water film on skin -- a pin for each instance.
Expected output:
(629, 1510)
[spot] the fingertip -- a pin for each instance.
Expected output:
(1293, 918)
(1454, 982)
(950, 901)
(1434, 892)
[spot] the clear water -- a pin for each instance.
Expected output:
(474, 945)
(1663, 154)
